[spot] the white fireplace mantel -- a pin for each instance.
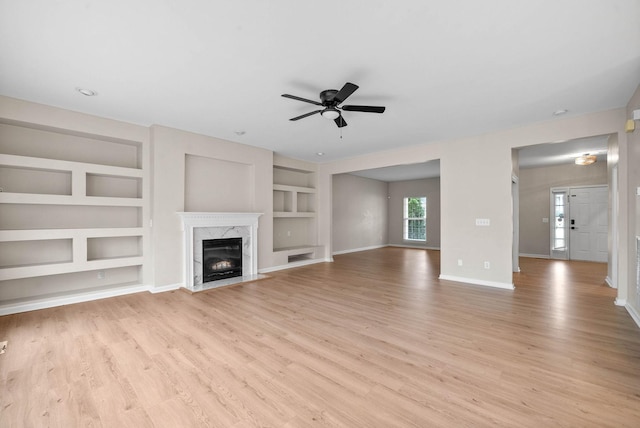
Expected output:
(208, 225)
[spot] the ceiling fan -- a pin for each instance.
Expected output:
(330, 100)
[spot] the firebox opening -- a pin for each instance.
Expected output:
(221, 259)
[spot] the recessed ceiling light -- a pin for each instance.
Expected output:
(320, 154)
(87, 92)
(560, 112)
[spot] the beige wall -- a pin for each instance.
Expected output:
(215, 185)
(359, 213)
(472, 187)
(170, 149)
(398, 190)
(535, 185)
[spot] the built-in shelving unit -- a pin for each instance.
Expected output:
(294, 211)
(70, 205)
(293, 201)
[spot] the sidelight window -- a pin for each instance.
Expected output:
(559, 242)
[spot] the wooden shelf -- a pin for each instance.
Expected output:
(45, 234)
(300, 249)
(286, 214)
(39, 199)
(61, 165)
(60, 268)
(297, 189)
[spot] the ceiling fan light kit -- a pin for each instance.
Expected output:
(331, 100)
(330, 113)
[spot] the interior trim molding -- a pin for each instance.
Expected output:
(52, 302)
(535, 256)
(414, 247)
(503, 285)
(154, 289)
(355, 250)
(293, 264)
(632, 311)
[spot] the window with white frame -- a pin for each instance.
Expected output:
(415, 218)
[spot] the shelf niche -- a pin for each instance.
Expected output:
(72, 209)
(294, 211)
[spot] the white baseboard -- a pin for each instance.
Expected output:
(414, 246)
(503, 285)
(52, 302)
(609, 282)
(356, 250)
(535, 256)
(163, 288)
(294, 264)
(634, 314)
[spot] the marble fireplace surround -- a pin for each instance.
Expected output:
(198, 226)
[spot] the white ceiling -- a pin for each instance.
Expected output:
(564, 152)
(444, 69)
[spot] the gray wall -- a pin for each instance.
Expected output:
(359, 213)
(535, 184)
(399, 190)
(368, 213)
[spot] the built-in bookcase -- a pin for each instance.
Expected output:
(72, 208)
(294, 211)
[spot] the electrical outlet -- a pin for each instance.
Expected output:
(101, 274)
(459, 262)
(483, 222)
(487, 265)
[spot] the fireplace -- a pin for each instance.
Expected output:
(221, 259)
(233, 257)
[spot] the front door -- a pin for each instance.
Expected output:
(588, 223)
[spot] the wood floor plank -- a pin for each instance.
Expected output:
(374, 339)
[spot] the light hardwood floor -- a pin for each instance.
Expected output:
(371, 340)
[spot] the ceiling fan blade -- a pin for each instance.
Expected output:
(293, 97)
(366, 109)
(340, 121)
(305, 115)
(345, 92)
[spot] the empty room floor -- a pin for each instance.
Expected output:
(371, 340)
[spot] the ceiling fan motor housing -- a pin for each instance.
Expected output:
(327, 97)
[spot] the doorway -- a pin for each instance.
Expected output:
(580, 223)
